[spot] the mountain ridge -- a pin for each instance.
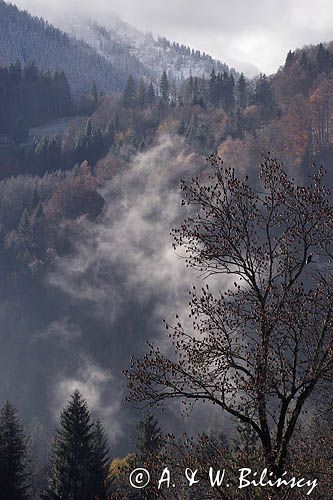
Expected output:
(29, 38)
(155, 54)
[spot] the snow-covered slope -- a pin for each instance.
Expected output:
(154, 55)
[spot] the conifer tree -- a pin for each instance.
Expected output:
(164, 88)
(13, 456)
(71, 453)
(79, 455)
(289, 59)
(213, 93)
(227, 86)
(189, 90)
(241, 89)
(264, 98)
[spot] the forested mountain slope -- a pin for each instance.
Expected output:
(31, 39)
(155, 55)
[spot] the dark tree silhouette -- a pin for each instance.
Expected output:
(164, 88)
(264, 98)
(14, 479)
(261, 350)
(78, 455)
(242, 91)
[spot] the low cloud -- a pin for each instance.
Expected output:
(259, 32)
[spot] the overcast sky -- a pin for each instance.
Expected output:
(256, 31)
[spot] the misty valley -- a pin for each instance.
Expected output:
(166, 231)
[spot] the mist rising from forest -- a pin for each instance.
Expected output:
(117, 287)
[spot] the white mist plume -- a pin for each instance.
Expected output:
(129, 251)
(125, 272)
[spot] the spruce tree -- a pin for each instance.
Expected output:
(265, 99)
(79, 455)
(189, 90)
(289, 59)
(13, 456)
(241, 89)
(71, 453)
(24, 236)
(227, 86)
(164, 88)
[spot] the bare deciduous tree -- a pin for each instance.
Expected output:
(262, 349)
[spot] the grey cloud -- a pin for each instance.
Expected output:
(259, 32)
(63, 329)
